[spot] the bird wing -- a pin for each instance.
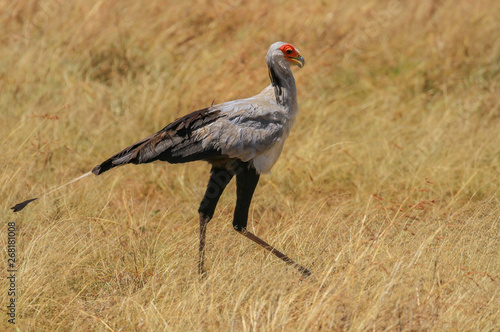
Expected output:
(241, 129)
(247, 127)
(175, 143)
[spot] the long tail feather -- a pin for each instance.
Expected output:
(19, 206)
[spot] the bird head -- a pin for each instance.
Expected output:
(292, 54)
(288, 52)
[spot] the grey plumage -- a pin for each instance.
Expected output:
(251, 130)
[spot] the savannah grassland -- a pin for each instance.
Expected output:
(388, 187)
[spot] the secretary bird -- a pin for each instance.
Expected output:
(241, 138)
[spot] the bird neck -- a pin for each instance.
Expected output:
(284, 85)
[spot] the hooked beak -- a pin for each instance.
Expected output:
(298, 60)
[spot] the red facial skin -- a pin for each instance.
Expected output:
(289, 51)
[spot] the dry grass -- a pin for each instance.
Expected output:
(387, 188)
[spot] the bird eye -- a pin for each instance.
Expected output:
(289, 51)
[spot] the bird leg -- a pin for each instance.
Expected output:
(275, 252)
(246, 181)
(203, 231)
(219, 178)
